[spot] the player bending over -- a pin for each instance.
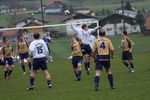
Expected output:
(22, 48)
(84, 34)
(127, 46)
(8, 53)
(102, 50)
(39, 51)
(76, 57)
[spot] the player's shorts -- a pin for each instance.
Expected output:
(24, 55)
(76, 60)
(102, 61)
(126, 55)
(2, 62)
(86, 49)
(39, 63)
(8, 61)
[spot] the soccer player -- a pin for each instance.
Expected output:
(84, 34)
(102, 51)
(48, 41)
(39, 51)
(22, 48)
(1, 58)
(127, 47)
(8, 52)
(76, 57)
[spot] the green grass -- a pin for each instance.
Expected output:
(129, 86)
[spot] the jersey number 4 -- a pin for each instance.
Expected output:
(39, 50)
(103, 45)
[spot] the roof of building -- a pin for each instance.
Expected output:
(117, 18)
(10, 33)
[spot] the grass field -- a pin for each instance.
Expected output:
(129, 86)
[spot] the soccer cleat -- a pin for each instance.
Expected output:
(96, 88)
(50, 86)
(132, 71)
(112, 87)
(24, 73)
(8, 77)
(30, 88)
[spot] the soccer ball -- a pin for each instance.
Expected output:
(66, 12)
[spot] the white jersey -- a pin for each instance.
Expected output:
(38, 49)
(91, 41)
(84, 35)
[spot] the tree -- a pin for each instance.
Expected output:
(128, 6)
(140, 19)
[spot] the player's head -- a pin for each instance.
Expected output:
(102, 33)
(75, 39)
(1, 42)
(44, 35)
(124, 33)
(36, 36)
(20, 38)
(8, 42)
(85, 27)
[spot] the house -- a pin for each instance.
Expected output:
(127, 12)
(29, 22)
(80, 19)
(113, 24)
(53, 7)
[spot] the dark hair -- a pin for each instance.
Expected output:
(19, 36)
(125, 32)
(83, 26)
(102, 33)
(36, 35)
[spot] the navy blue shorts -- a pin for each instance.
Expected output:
(76, 60)
(2, 62)
(24, 55)
(8, 61)
(39, 63)
(126, 55)
(101, 64)
(86, 49)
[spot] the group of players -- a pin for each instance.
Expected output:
(101, 50)
(83, 45)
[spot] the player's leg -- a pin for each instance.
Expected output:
(32, 78)
(87, 63)
(79, 71)
(44, 68)
(6, 71)
(98, 67)
(48, 78)
(131, 66)
(23, 66)
(97, 79)
(109, 73)
(11, 66)
(125, 63)
(29, 62)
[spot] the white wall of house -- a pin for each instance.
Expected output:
(127, 13)
(116, 29)
(79, 23)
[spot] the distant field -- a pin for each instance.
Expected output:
(129, 86)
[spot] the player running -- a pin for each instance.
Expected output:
(8, 53)
(84, 34)
(127, 47)
(102, 51)
(39, 51)
(76, 57)
(22, 48)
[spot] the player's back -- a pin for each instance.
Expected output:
(103, 46)
(38, 49)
